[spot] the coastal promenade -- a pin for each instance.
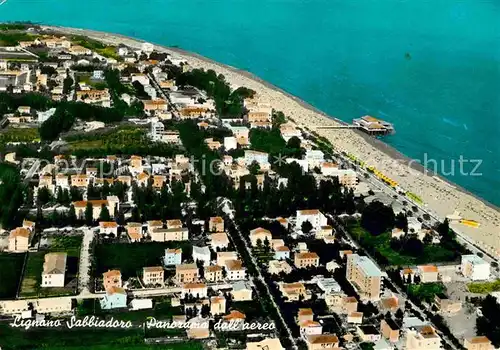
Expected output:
(440, 197)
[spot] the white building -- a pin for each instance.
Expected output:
(230, 143)
(314, 216)
(255, 156)
(475, 267)
(54, 270)
(314, 158)
(141, 304)
(202, 254)
(414, 225)
(172, 257)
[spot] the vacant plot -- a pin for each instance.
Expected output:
(262, 255)
(380, 247)
(30, 286)
(10, 274)
(484, 287)
(426, 291)
(130, 258)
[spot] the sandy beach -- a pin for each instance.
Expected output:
(440, 197)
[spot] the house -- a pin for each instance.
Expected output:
(213, 273)
(230, 143)
(219, 240)
(217, 305)
(293, 291)
(19, 240)
(335, 301)
(234, 320)
(235, 270)
(349, 305)
(390, 304)
(115, 298)
(304, 314)
(368, 333)
(197, 290)
(314, 158)
(281, 253)
(153, 275)
(153, 225)
(222, 257)
(260, 158)
(125, 179)
(202, 254)
(475, 268)
(446, 305)
(355, 317)
(78, 50)
(310, 327)
(324, 231)
(389, 330)
(134, 231)
(277, 267)
(314, 216)
(198, 328)
(328, 168)
(428, 273)
(260, 234)
(111, 203)
(306, 259)
(108, 228)
(186, 273)
(62, 181)
(141, 304)
(327, 285)
(265, 344)
(52, 305)
(322, 341)
(216, 224)
(478, 343)
(172, 257)
(241, 291)
(29, 225)
(112, 278)
(365, 276)
(422, 337)
(54, 270)
(80, 180)
(170, 234)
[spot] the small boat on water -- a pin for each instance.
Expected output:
(408, 56)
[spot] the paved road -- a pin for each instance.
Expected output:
(351, 241)
(264, 283)
(84, 268)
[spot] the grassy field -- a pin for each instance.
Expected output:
(30, 286)
(81, 339)
(10, 274)
(262, 256)
(426, 291)
(115, 139)
(484, 287)
(19, 135)
(131, 258)
(382, 245)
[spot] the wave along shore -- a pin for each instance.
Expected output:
(440, 196)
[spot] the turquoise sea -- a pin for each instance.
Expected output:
(346, 57)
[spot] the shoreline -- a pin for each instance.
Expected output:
(389, 160)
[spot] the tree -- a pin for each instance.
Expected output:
(293, 142)
(104, 215)
(44, 196)
(89, 214)
(306, 226)
(377, 218)
(401, 222)
(399, 314)
(72, 215)
(67, 84)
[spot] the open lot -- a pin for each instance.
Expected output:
(10, 274)
(381, 244)
(130, 258)
(30, 285)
